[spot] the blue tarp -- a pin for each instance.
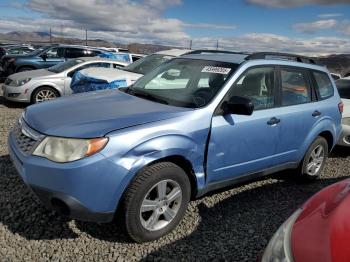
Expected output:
(123, 57)
(81, 83)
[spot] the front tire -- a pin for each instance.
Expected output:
(314, 160)
(44, 93)
(155, 202)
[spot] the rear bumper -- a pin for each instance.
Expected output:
(344, 139)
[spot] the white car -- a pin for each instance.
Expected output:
(343, 86)
(130, 73)
(46, 84)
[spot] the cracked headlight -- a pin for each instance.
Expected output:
(69, 149)
(279, 247)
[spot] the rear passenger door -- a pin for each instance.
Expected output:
(298, 112)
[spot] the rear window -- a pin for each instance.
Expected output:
(343, 88)
(324, 85)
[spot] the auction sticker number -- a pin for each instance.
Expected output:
(216, 70)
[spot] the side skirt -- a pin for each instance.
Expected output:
(246, 178)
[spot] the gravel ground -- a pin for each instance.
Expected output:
(233, 225)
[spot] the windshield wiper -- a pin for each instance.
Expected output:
(147, 96)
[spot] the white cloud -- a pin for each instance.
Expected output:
(296, 3)
(330, 15)
(276, 43)
(310, 28)
(129, 20)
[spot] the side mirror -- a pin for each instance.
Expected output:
(44, 56)
(238, 105)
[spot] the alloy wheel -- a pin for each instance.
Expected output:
(315, 161)
(160, 205)
(45, 95)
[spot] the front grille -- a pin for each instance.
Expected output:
(25, 143)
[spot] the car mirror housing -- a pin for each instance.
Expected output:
(44, 56)
(238, 105)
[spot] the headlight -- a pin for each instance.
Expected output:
(19, 82)
(279, 247)
(346, 121)
(69, 149)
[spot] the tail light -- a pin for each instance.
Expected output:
(341, 107)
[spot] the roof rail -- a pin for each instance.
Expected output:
(281, 56)
(201, 51)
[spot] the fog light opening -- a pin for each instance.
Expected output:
(347, 140)
(59, 206)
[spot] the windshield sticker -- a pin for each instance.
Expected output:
(216, 70)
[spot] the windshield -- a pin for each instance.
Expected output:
(60, 67)
(147, 64)
(343, 88)
(184, 82)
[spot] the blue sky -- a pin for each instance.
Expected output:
(321, 26)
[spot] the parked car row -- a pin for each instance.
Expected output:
(46, 84)
(182, 124)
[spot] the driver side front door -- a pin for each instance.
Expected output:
(240, 144)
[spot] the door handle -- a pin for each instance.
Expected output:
(316, 113)
(273, 121)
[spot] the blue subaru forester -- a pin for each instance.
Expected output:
(197, 123)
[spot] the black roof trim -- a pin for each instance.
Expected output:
(209, 51)
(282, 56)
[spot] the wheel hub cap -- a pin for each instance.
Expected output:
(160, 205)
(315, 161)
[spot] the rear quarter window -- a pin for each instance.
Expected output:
(324, 85)
(343, 88)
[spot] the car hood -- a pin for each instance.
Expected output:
(94, 114)
(31, 74)
(322, 230)
(110, 74)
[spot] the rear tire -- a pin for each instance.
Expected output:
(314, 160)
(44, 93)
(155, 202)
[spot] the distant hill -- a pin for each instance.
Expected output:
(339, 63)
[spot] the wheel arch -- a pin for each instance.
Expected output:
(185, 165)
(44, 85)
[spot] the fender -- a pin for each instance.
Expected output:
(324, 124)
(46, 83)
(156, 149)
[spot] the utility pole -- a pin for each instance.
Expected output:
(191, 44)
(86, 41)
(50, 36)
(217, 44)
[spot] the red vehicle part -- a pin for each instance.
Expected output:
(322, 230)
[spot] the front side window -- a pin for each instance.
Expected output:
(60, 67)
(184, 82)
(74, 52)
(147, 63)
(101, 64)
(257, 84)
(324, 85)
(52, 53)
(294, 87)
